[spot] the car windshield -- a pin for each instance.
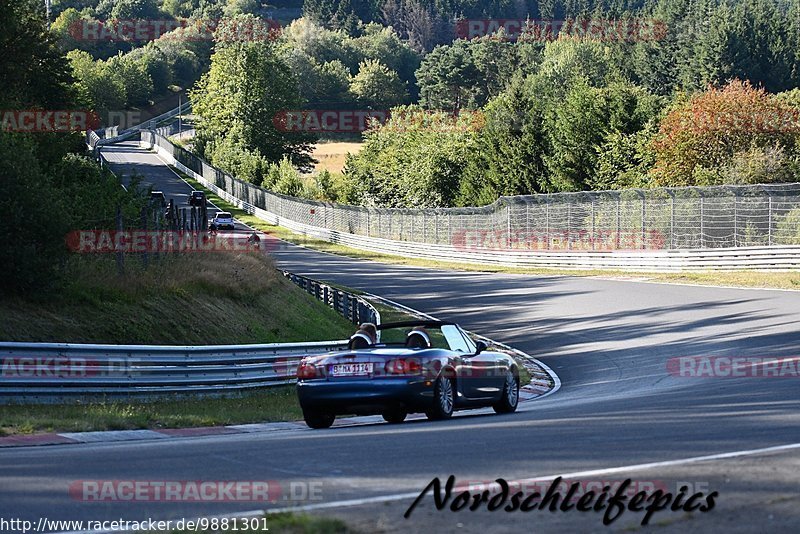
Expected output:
(442, 337)
(223, 215)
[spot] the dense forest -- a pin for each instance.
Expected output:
(626, 94)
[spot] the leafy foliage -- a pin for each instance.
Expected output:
(247, 86)
(703, 135)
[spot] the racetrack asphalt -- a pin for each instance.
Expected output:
(608, 340)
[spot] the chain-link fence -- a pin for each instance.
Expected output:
(630, 219)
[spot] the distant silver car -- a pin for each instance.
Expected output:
(223, 220)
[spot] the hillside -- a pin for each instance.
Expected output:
(191, 299)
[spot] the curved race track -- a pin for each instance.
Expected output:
(609, 342)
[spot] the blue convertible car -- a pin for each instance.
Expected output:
(395, 369)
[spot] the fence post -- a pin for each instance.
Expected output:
(449, 228)
(508, 226)
(735, 216)
(671, 194)
(644, 218)
(528, 234)
(120, 256)
(593, 223)
(769, 231)
(702, 220)
(547, 220)
(145, 259)
(157, 227)
(569, 223)
(619, 218)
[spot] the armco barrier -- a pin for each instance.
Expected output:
(41, 372)
(38, 372)
(351, 307)
(782, 257)
(111, 135)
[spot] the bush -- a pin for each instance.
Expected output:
(787, 229)
(699, 140)
(285, 179)
(35, 219)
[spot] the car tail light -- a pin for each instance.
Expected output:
(307, 371)
(403, 366)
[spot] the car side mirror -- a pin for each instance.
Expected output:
(481, 346)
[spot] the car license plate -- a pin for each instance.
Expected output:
(351, 369)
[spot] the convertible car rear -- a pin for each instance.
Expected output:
(431, 367)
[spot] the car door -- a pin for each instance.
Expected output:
(476, 373)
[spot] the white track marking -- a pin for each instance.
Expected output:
(520, 482)
(546, 478)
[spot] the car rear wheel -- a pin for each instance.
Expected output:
(510, 399)
(443, 400)
(395, 416)
(315, 419)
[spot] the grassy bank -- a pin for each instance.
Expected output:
(214, 298)
(753, 279)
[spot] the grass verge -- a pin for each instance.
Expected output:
(277, 404)
(197, 299)
(752, 279)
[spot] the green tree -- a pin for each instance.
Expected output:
(247, 87)
(417, 159)
(135, 9)
(96, 84)
(577, 127)
(449, 79)
(699, 139)
(378, 87)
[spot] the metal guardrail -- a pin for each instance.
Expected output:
(37, 372)
(41, 372)
(254, 199)
(105, 136)
(349, 306)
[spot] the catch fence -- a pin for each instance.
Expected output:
(630, 219)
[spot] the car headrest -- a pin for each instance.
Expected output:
(360, 340)
(417, 339)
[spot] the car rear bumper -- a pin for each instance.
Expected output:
(366, 396)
